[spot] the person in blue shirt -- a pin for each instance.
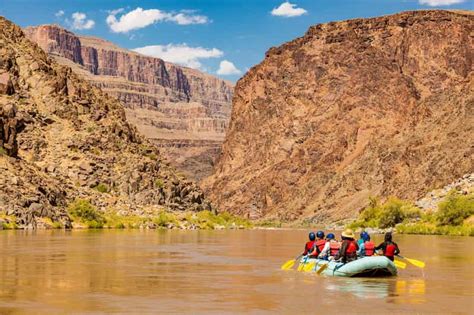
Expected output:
(366, 247)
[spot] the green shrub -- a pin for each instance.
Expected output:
(455, 209)
(159, 183)
(3, 151)
(115, 221)
(103, 188)
(389, 214)
(165, 218)
(83, 211)
(433, 229)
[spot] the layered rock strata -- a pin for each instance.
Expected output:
(164, 101)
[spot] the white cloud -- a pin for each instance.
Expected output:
(80, 21)
(60, 13)
(185, 19)
(227, 68)
(436, 3)
(181, 54)
(140, 18)
(287, 9)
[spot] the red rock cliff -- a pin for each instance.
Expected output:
(366, 107)
(169, 104)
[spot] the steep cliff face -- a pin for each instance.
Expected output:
(167, 103)
(61, 138)
(381, 106)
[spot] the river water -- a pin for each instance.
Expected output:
(218, 272)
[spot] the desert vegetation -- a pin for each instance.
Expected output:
(454, 216)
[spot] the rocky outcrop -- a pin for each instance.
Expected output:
(366, 107)
(61, 139)
(164, 101)
(431, 200)
(10, 125)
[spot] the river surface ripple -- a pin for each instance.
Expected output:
(203, 272)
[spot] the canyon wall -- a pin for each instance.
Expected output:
(169, 104)
(366, 107)
(62, 139)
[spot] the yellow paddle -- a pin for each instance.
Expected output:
(400, 264)
(301, 265)
(309, 267)
(414, 262)
(323, 267)
(290, 263)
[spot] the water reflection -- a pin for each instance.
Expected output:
(412, 291)
(215, 272)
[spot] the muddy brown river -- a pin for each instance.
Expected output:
(205, 272)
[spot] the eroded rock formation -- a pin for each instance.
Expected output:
(168, 104)
(61, 138)
(381, 106)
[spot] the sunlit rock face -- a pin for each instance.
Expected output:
(367, 107)
(61, 138)
(184, 111)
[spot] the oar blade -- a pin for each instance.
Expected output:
(288, 265)
(400, 264)
(323, 267)
(301, 266)
(415, 262)
(309, 267)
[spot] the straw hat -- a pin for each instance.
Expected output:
(348, 233)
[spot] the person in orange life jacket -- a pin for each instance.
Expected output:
(367, 247)
(349, 247)
(331, 248)
(318, 244)
(308, 247)
(389, 248)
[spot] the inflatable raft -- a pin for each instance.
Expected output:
(374, 266)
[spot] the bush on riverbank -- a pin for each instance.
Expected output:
(84, 214)
(452, 217)
(7, 222)
(386, 215)
(430, 228)
(455, 209)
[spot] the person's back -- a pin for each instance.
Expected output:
(349, 247)
(367, 248)
(331, 247)
(318, 244)
(334, 247)
(308, 248)
(389, 248)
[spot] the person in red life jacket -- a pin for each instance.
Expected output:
(349, 247)
(331, 248)
(389, 248)
(367, 247)
(308, 247)
(318, 244)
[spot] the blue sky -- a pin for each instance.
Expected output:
(221, 37)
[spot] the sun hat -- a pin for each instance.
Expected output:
(348, 233)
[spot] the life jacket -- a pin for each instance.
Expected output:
(351, 249)
(369, 248)
(319, 244)
(308, 247)
(390, 250)
(334, 248)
